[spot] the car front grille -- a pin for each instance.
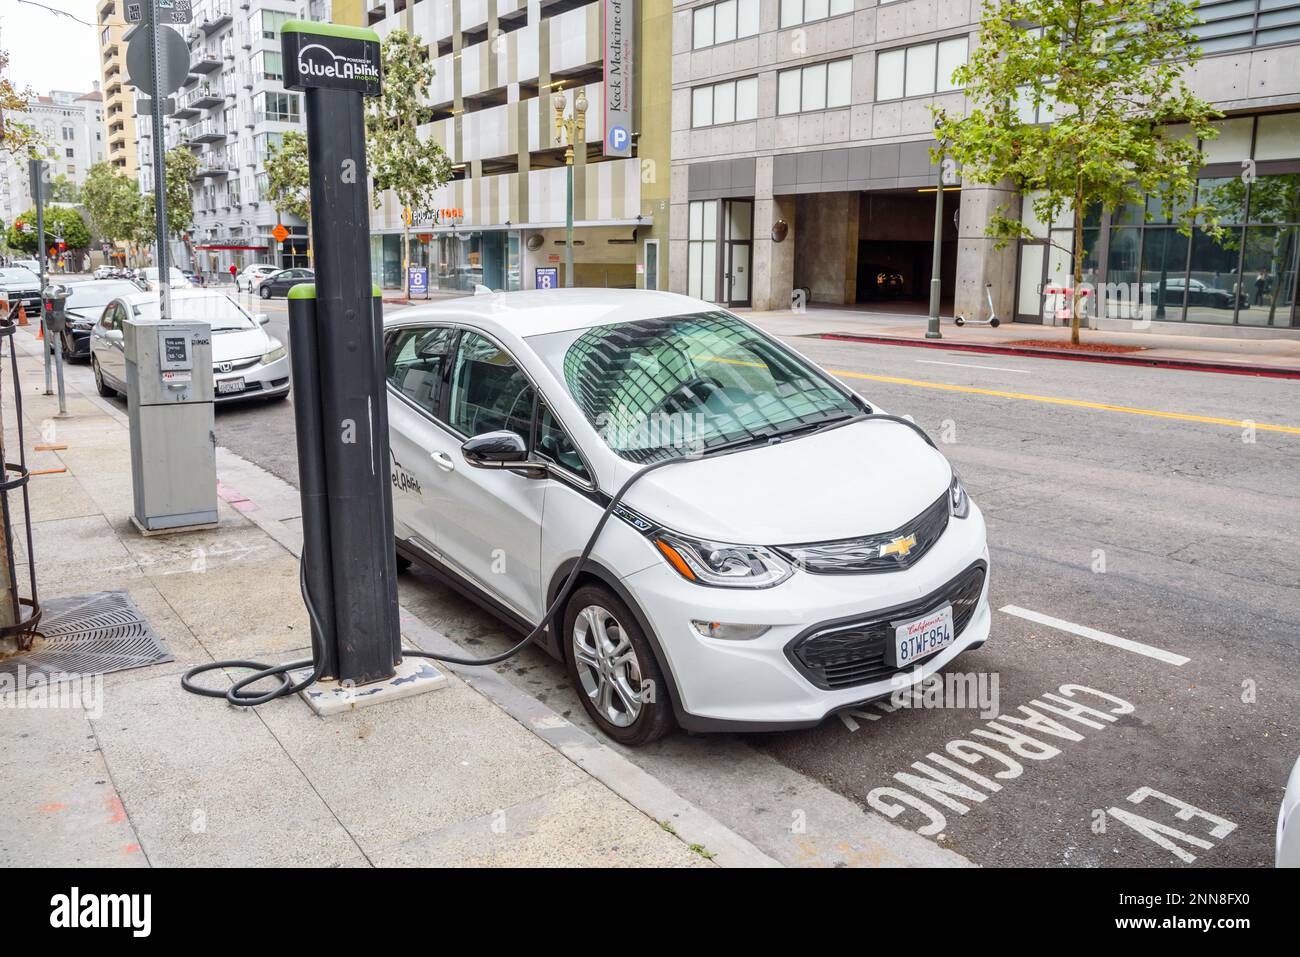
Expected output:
(219, 368)
(853, 652)
(888, 551)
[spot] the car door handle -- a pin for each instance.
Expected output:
(443, 461)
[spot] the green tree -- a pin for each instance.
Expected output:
(399, 160)
(17, 137)
(287, 180)
(112, 201)
(181, 168)
(62, 190)
(1104, 81)
(60, 222)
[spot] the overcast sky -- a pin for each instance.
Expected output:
(47, 51)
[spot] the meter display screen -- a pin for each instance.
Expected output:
(174, 353)
(175, 346)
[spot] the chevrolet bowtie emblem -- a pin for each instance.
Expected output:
(899, 547)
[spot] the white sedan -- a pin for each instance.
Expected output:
(247, 363)
(248, 280)
(790, 552)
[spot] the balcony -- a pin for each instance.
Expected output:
(205, 62)
(206, 97)
(209, 131)
(219, 14)
(212, 164)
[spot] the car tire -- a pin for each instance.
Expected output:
(626, 697)
(403, 563)
(100, 385)
(264, 292)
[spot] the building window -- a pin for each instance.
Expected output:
(269, 65)
(920, 70)
(795, 12)
(264, 143)
(820, 86)
(279, 107)
(702, 250)
(69, 152)
(733, 101)
(271, 21)
(724, 22)
(1238, 24)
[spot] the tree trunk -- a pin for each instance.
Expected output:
(1076, 296)
(406, 261)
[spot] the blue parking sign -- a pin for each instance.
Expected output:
(548, 277)
(418, 280)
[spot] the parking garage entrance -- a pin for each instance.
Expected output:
(872, 249)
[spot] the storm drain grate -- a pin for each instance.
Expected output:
(89, 635)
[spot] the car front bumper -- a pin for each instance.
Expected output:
(261, 380)
(758, 684)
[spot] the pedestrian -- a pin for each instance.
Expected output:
(1261, 286)
(234, 271)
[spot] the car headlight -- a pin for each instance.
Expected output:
(958, 500)
(713, 563)
(278, 351)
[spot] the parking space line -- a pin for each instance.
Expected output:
(971, 365)
(1074, 403)
(1083, 631)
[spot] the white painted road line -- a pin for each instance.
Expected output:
(1085, 632)
(971, 365)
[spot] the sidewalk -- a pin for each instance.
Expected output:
(1276, 354)
(474, 773)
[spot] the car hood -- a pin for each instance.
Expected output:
(240, 344)
(859, 479)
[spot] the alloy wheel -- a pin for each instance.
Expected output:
(607, 666)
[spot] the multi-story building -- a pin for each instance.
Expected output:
(231, 111)
(71, 127)
(119, 95)
(801, 161)
(501, 219)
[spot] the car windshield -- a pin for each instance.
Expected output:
(95, 295)
(657, 388)
(220, 312)
(151, 272)
(17, 275)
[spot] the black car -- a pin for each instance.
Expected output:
(82, 309)
(279, 283)
(22, 287)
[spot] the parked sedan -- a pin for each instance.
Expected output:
(1176, 290)
(278, 284)
(176, 278)
(22, 286)
(721, 583)
(246, 361)
(84, 305)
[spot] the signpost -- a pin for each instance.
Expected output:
(336, 329)
(618, 21)
(39, 172)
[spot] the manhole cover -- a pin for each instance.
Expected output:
(89, 635)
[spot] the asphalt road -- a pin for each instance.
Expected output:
(1150, 554)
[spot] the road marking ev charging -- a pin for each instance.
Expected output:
(1083, 631)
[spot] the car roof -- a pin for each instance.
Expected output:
(177, 295)
(535, 312)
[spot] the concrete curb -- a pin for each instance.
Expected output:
(1131, 359)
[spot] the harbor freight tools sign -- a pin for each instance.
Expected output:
(618, 22)
(330, 56)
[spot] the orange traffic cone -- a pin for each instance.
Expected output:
(22, 315)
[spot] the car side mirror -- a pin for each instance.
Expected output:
(495, 450)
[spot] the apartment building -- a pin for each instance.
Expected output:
(231, 111)
(119, 95)
(801, 137)
(501, 220)
(71, 126)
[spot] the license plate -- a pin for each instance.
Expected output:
(922, 637)
(226, 386)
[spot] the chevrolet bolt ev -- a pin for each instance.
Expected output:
(804, 554)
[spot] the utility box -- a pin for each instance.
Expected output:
(173, 438)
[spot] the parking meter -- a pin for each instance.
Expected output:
(173, 437)
(54, 299)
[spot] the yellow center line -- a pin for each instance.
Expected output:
(1072, 403)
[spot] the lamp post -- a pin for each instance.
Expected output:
(572, 129)
(932, 327)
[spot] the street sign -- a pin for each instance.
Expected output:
(547, 277)
(332, 58)
(175, 11)
(175, 61)
(280, 233)
(135, 13)
(418, 280)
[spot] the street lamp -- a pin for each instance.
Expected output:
(932, 327)
(571, 128)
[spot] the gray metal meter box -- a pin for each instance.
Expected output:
(173, 438)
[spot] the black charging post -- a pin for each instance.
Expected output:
(336, 343)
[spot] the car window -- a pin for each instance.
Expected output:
(488, 391)
(416, 361)
(554, 443)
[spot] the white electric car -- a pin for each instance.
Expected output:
(802, 553)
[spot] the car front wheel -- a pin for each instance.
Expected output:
(100, 385)
(264, 292)
(614, 669)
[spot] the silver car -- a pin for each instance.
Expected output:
(247, 362)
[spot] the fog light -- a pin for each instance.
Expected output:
(725, 632)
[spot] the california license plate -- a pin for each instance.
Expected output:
(226, 386)
(922, 637)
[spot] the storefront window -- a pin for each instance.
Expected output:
(1269, 268)
(1164, 269)
(1213, 283)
